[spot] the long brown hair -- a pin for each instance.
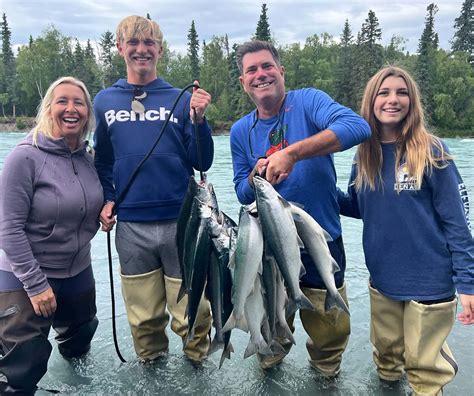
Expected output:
(415, 145)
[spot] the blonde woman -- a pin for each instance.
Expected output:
(50, 200)
(417, 243)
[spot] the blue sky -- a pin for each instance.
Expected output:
(290, 21)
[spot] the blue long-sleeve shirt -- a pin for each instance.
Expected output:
(417, 243)
(312, 182)
(123, 137)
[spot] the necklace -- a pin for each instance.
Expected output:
(277, 129)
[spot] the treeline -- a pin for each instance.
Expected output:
(339, 67)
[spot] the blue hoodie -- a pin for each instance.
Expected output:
(123, 137)
(417, 243)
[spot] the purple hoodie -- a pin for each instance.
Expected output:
(50, 200)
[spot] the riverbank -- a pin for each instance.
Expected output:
(24, 124)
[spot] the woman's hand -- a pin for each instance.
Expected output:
(44, 303)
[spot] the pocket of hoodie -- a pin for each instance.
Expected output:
(44, 238)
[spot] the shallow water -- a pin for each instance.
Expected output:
(102, 373)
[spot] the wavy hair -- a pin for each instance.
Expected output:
(415, 145)
(44, 122)
(138, 27)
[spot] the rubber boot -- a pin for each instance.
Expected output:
(386, 335)
(145, 302)
(429, 363)
(196, 349)
(328, 332)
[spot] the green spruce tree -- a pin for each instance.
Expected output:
(263, 27)
(193, 52)
(426, 66)
(463, 39)
(8, 83)
(344, 76)
(369, 58)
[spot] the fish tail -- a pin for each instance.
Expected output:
(216, 344)
(335, 301)
(304, 303)
(181, 293)
(283, 331)
(226, 354)
(189, 336)
(277, 348)
(233, 323)
(259, 346)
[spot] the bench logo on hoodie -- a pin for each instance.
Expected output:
(161, 113)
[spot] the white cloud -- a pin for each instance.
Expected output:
(290, 21)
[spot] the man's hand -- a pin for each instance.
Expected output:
(44, 303)
(106, 217)
(467, 315)
(279, 165)
(199, 102)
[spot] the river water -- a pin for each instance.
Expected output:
(102, 373)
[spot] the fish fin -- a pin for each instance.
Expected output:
(300, 242)
(277, 348)
(297, 204)
(302, 271)
(233, 323)
(291, 308)
(260, 346)
(216, 344)
(181, 293)
(304, 303)
(335, 302)
(226, 354)
(250, 350)
(252, 208)
(284, 202)
(297, 217)
(283, 331)
(327, 236)
(189, 336)
(335, 266)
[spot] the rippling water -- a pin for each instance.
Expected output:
(101, 372)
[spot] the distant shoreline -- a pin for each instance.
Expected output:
(28, 122)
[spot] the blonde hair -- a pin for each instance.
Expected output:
(415, 144)
(44, 122)
(135, 26)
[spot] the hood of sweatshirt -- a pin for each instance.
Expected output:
(151, 86)
(53, 146)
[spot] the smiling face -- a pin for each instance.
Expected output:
(69, 113)
(391, 105)
(263, 80)
(141, 56)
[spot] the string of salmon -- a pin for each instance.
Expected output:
(124, 192)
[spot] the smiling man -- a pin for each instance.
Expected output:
(130, 115)
(291, 136)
